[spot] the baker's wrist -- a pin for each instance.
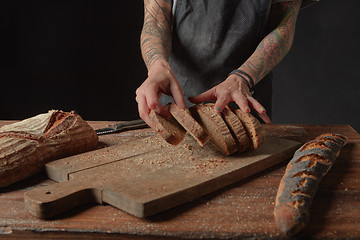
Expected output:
(159, 64)
(245, 77)
(248, 77)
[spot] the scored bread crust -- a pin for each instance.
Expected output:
(215, 127)
(252, 127)
(189, 123)
(236, 128)
(301, 179)
(168, 128)
(26, 146)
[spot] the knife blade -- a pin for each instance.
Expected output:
(124, 126)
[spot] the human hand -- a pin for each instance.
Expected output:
(233, 89)
(161, 80)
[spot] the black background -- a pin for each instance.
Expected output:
(84, 55)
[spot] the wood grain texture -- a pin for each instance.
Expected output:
(145, 177)
(242, 210)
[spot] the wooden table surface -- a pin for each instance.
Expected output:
(242, 210)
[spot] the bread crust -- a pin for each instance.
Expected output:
(236, 128)
(185, 119)
(252, 127)
(302, 176)
(215, 127)
(27, 145)
(168, 128)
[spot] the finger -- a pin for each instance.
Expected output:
(160, 109)
(221, 102)
(260, 110)
(242, 102)
(203, 97)
(256, 105)
(178, 96)
(154, 104)
(265, 118)
(144, 110)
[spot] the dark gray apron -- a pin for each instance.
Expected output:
(213, 37)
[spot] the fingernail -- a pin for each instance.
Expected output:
(218, 109)
(262, 109)
(247, 109)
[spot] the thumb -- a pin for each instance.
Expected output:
(209, 95)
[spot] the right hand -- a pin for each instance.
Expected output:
(161, 80)
(233, 89)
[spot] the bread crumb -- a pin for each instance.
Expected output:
(188, 146)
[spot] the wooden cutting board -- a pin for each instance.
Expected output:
(147, 176)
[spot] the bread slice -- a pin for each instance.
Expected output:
(215, 127)
(185, 119)
(168, 128)
(236, 128)
(252, 127)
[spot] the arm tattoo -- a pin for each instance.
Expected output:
(156, 33)
(273, 48)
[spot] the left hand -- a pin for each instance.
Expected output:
(233, 89)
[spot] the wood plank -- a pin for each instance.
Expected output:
(241, 210)
(156, 179)
(60, 170)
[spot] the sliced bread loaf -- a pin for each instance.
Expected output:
(189, 123)
(168, 128)
(215, 127)
(236, 128)
(252, 127)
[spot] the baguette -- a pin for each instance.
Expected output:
(27, 145)
(168, 128)
(301, 179)
(188, 123)
(215, 126)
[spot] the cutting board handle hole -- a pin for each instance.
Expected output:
(48, 192)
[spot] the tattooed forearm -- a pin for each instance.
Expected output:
(155, 37)
(273, 48)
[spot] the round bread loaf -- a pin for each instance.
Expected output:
(26, 146)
